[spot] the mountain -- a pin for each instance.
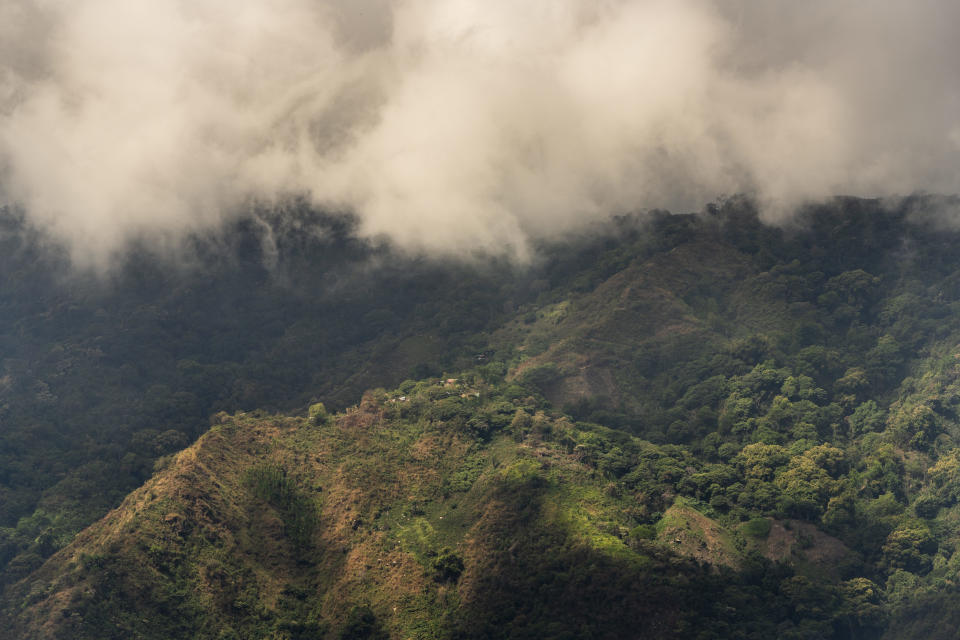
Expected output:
(678, 426)
(458, 509)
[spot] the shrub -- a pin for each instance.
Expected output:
(318, 414)
(757, 527)
(643, 532)
(447, 566)
(362, 624)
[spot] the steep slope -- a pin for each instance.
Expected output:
(395, 516)
(100, 377)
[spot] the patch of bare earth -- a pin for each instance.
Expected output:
(698, 537)
(791, 539)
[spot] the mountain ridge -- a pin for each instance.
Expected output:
(753, 427)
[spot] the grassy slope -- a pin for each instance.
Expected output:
(194, 551)
(545, 542)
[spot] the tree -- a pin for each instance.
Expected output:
(447, 566)
(884, 360)
(760, 460)
(866, 418)
(362, 624)
(863, 607)
(945, 477)
(910, 547)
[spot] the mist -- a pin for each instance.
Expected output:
(452, 127)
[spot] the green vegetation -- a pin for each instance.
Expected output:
(447, 566)
(756, 528)
(270, 483)
(690, 427)
(362, 624)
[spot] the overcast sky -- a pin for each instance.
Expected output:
(452, 125)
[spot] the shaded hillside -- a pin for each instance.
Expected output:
(98, 378)
(610, 343)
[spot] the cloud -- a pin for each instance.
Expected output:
(453, 126)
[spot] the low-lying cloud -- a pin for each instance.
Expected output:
(452, 126)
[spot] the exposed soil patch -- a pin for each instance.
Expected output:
(792, 539)
(692, 534)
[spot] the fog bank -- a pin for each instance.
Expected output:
(452, 126)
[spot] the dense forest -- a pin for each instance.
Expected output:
(675, 426)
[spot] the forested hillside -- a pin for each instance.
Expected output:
(678, 426)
